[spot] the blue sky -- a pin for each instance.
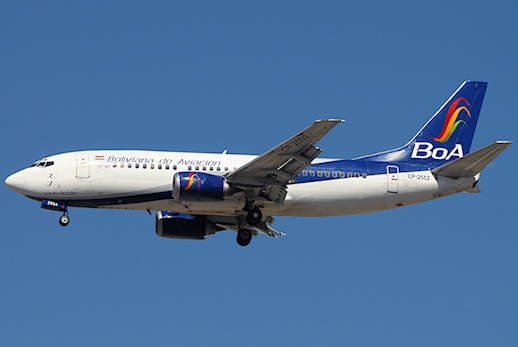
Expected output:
(244, 76)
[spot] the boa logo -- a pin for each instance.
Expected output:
(191, 180)
(425, 150)
(452, 122)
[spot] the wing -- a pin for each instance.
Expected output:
(272, 170)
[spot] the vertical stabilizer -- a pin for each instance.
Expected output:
(447, 135)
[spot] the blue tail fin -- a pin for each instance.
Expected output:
(447, 135)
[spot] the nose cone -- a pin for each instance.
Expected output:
(16, 182)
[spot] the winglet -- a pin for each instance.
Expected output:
(331, 120)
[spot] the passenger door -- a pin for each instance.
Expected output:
(82, 165)
(392, 179)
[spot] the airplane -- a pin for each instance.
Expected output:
(200, 194)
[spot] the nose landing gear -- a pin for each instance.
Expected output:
(64, 219)
(57, 206)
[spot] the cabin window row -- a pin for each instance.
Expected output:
(334, 174)
(167, 167)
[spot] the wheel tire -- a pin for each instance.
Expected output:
(254, 216)
(244, 236)
(64, 220)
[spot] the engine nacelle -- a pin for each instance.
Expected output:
(181, 226)
(200, 186)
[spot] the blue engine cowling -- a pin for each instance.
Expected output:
(200, 186)
(182, 226)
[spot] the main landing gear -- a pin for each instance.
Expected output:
(254, 216)
(244, 236)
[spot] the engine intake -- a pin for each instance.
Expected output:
(181, 226)
(200, 186)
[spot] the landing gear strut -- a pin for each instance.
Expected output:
(64, 219)
(244, 236)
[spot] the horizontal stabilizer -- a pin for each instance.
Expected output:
(472, 163)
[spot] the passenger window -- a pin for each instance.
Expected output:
(197, 168)
(174, 167)
(356, 174)
(122, 165)
(114, 164)
(189, 167)
(136, 166)
(129, 165)
(204, 168)
(144, 166)
(312, 173)
(167, 167)
(342, 174)
(159, 166)
(326, 173)
(218, 169)
(211, 168)
(319, 173)
(364, 175)
(349, 174)
(226, 169)
(152, 166)
(334, 174)
(304, 173)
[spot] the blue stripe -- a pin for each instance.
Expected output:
(119, 201)
(361, 166)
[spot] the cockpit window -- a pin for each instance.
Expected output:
(42, 163)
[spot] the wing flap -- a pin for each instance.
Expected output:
(472, 163)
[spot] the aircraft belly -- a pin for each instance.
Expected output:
(228, 206)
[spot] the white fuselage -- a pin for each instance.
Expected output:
(142, 180)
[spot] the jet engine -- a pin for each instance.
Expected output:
(182, 226)
(200, 186)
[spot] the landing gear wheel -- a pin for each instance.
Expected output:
(244, 236)
(64, 220)
(254, 216)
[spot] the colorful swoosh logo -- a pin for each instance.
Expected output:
(193, 178)
(451, 123)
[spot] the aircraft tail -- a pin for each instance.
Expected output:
(447, 135)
